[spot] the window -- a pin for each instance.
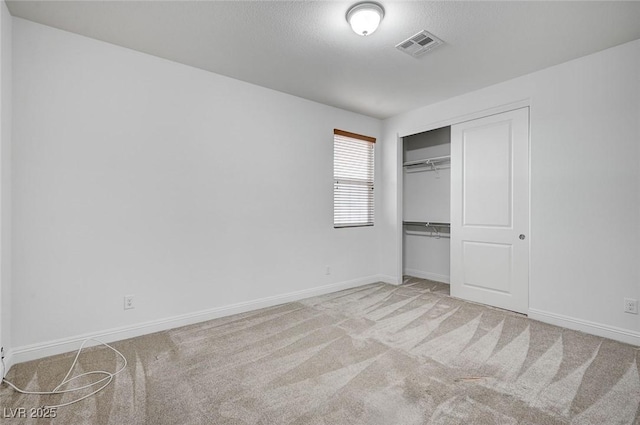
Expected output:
(353, 156)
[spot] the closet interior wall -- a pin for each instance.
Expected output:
(427, 199)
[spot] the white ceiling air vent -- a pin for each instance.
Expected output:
(419, 44)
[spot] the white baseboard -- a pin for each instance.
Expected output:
(427, 275)
(611, 332)
(8, 362)
(389, 279)
(64, 345)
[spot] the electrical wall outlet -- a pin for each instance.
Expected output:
(129, 302)
(630, 306)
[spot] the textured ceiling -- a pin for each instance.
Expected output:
(307, 49)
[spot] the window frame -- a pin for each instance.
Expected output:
(369, 165)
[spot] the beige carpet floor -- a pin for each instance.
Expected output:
(378, 354)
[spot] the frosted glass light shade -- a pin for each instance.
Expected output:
(364, 18)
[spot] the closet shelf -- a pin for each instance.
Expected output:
(431, 229)
(428, 163)
(426, 224)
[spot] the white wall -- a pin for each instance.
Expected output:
(137, 175)
(585, 185)
(5, 175)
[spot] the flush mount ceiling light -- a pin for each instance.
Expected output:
(365, 17)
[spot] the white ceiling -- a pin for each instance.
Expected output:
(307, 49)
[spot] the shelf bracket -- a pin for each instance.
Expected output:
(434, 168)
(434, 229)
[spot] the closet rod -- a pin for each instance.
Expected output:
(425, 224)
(436, 235)
(428, 161)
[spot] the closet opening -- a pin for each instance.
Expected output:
(426, 205)
(465, 208)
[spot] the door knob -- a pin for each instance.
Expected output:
(521, 237)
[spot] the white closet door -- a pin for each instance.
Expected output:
(490, 210)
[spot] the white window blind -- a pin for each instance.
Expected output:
(353, 170)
